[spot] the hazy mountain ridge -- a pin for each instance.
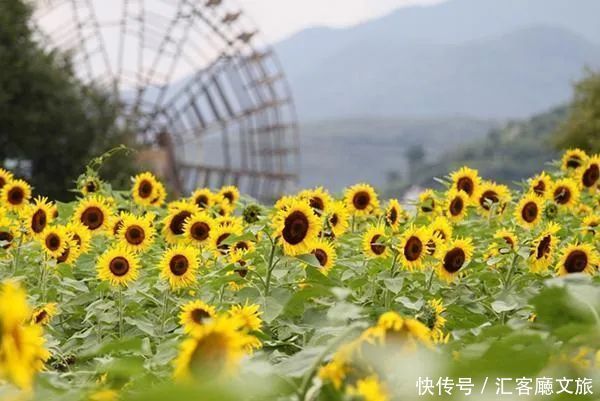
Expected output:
(483, 58)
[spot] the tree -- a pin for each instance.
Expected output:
(48, 118)
(582, 127)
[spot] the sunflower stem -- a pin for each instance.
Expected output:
(17, 256)
(120, 307)
(387, 294)
(269, 269)
(163, 317)
(430, 280)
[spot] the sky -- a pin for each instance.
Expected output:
(278, 19)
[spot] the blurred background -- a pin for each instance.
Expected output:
(392, 92)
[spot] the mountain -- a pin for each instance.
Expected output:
(482, 58)
(339, 153)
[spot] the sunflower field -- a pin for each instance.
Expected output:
(474, 290)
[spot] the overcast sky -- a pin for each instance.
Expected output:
(280, 18)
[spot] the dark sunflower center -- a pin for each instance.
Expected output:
(540, 188)
(465, 184)
(117, 226)
(16, 196)
(321, 256)
(361, 200)
(119, 266)
(64, 256)
(562, 195)
(509, 241)
(135, 235)
(454, 260)
(487, 198)
(530, 211)
(145, 189)
(5, 236)
(440, 234)
(53, 242)
(77, 239)
(200, 231)
(38, 221)
(413, 249)
(428, 205)
(543, 247)
(40, 316)
(223, 248)
(241, 272)
(179, 265)
(456, 206)
(431, 247)
(177, 222)
(574, 162)
(295, 228)
(202, 201)
(334, 219)
(317, 203)
(91, 186)
(199, 315)
(377, 248)
(92, 217)
(393, 216)
(591, 175)
(242, 245)
(576, 262)
(229, 196)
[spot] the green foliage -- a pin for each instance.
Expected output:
(582, 127)
(47, 116)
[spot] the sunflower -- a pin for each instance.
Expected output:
(542, 248)
(397, 330)
(174, 222)
(54, 240)
(218, 240)
(23, 346)
(590, 224)
(243, 245)
(578, 258)
(71, 252)
(540, 184)
(325, 254)
(80, 235)
(93, 212)
(441, 227)
(456, 205)
(431, 316)
(369, 389)
(297, 227)
(242, 266)
(230, 193)
(89, 185)
(507, 237)
(203, 198)
(196, 314)
(413, 247)
(318, 198)
(492, 196)
(456, 256)
(394, 214)
(573, 159)
(197, 228)
(374, 245)
(338, 218)
(5, 177)
(215, 349)
(466, 180)
(118, 266)
(248, 315)
(8, 233)
(135, 233)
(529, 211)
(15, 194)
(361, 199)
(44, 314)
(427, 202)
(565, 192)
(590, 173)
(39, 215)
(160, 194)
(144, 189)
(179, 265)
